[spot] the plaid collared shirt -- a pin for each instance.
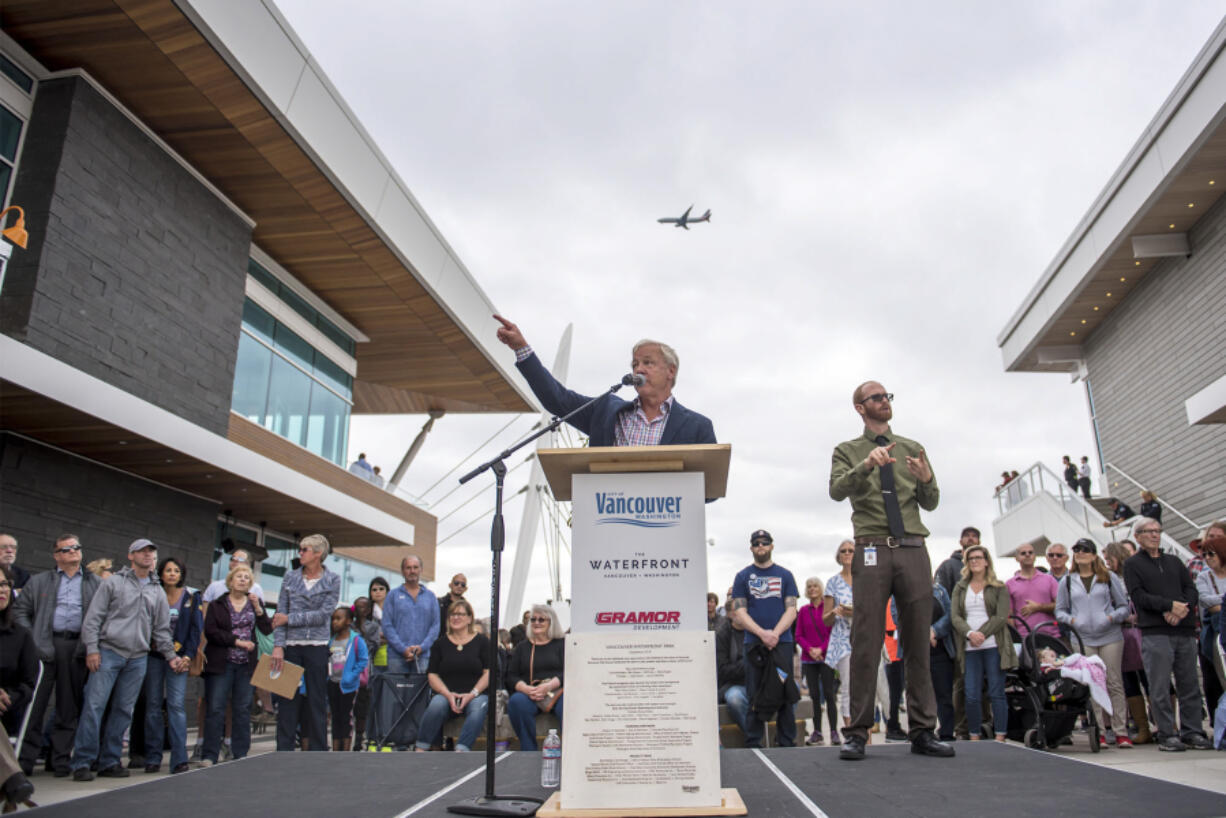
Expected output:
(633, 427)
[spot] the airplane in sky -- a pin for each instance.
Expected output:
(685, 220)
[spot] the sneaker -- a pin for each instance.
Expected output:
(135, 762)
(197, 751)
(82, 774)
(182, 768)
(153, 768)
(226, 752)
(114, 772)
(814, 739)
(835, 741)
(1197, 742)
(1171, 744)
(1123, 742)
(1102, 742)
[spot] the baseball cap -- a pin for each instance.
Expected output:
(137, 545)
(1086, 545)
(761, 535)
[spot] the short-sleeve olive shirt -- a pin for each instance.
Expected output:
(849, 479)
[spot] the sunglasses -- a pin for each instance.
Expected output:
(1025, 553)
(460, 584)
(303, 549)
(846, 551)
(1057, 556)
(538, 619)
(1084, 549)
(68, 549)
(879, 397)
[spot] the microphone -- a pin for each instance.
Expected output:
(633, 380)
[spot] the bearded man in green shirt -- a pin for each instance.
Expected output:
(890, 560)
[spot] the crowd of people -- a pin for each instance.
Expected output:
(104, 642)
(1153, 621)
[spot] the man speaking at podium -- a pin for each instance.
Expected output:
(654, 418)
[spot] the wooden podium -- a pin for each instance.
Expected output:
(640, 723)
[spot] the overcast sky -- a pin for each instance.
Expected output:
(888, 181)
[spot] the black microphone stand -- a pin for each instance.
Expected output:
(491, 803)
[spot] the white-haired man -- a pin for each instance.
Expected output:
(654, 418)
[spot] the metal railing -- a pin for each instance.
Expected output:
(1165, 506)
(1040, 478)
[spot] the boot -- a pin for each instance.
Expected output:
(1136, 706)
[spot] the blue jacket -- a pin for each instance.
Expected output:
(944, 627)
(356, 659)
(599, 421)
(190, 625)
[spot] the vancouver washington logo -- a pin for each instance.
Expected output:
(619, 508)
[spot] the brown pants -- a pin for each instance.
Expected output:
(906, 574)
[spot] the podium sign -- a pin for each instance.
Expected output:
(639, 561)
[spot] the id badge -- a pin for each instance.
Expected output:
(870, 556)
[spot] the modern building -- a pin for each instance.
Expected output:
(222, 270)
(1134, 307)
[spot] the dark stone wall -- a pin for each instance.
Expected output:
(135, 271)
(47, 492)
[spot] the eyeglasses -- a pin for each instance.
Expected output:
(244, 559)
(879, 397)
(8, 547)
(1025, 553)
(843, 551)
(302, 549)
(458, 613)
(68, 549)
(1083, 549)
(1148, 531)
(538, 619)
(4, 583)
(976, 558)
(460, 584)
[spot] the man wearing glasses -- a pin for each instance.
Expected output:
(890, 559)
(459, 584)
(1164, 595)
(1032, 593)
(1057, 561)
(52, 606)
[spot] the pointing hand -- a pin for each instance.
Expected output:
(509, 334)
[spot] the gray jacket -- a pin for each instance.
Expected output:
(35, 607)
(127, 617)
(1095, 614)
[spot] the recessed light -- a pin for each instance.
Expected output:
(1108, 295)
(1210, 181)
(1083, 320)
(1122, 278)
(1096, 309)
(1191, 204)
(168, 460)
(1138, 264)
(1171, 226)
(1072, 333)
(123, 443)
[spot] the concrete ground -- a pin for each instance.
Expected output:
(1205, 769)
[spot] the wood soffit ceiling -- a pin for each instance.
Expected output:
(1189, 196)
(66, 427)
(150, 56)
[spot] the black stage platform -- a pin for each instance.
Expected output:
(985, 778)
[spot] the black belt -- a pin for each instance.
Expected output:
(66, 634)
(891, 542)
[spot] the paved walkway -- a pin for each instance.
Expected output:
(1203, 769)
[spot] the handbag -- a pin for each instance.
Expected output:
(1132, 646)
(546, 704)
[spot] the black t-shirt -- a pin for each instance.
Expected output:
(459, 666)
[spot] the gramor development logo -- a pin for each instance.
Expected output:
(618, 508)
(641, 620)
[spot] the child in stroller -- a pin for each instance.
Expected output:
(1044, 705)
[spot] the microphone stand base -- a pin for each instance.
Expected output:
(513, 805)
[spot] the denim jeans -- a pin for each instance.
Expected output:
(738, 705)
(124, 678)
(232, 685)
(438, 713)
(941, 668)
(522, 711)
(161, 682)
(981, 663)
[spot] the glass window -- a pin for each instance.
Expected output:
(289, 401)
(10, 134)
(293, 347)
(328, 426)
(263, 276)
(9, 69)
(251, 375)
(335, 335)
(331, 374)
(258, 321)
(297, 303)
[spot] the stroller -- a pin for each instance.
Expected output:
(1044, 706)
(397, 702)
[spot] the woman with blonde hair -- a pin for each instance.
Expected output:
(459, 673)
(1095, 602)
(836, 613)
(813, 637)
(980, 613)
(535, 675)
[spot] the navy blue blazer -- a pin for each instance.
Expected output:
(599, 421)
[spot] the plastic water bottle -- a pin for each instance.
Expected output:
(551, 760)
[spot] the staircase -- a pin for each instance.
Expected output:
(1038, 508)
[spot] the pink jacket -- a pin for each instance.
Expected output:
(811, 632)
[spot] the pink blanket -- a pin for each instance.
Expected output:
(1090, 671)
